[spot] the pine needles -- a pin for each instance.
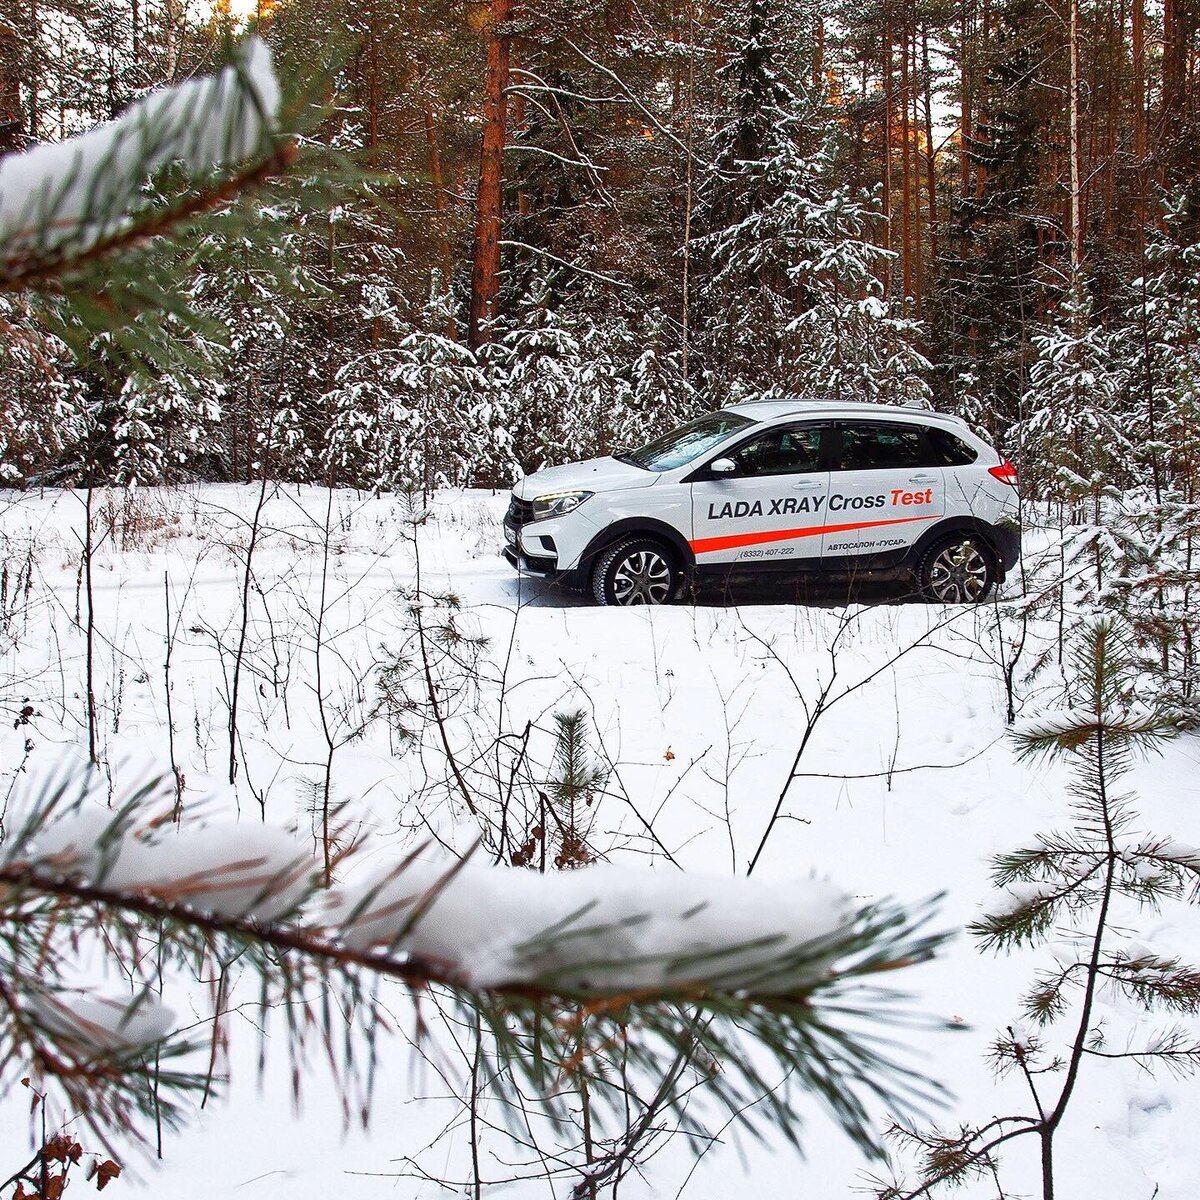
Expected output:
(91, 892)
(1069, 887)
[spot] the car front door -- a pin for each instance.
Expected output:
(769, 511)
(883, 494)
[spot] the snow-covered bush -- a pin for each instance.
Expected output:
(43, 398)
(406, 413)
(1075, 439)
(588, 377)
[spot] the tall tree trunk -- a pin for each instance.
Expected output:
(966, 84)
(888, 101)
(1115, 32)
(373, 93)
(437, 182)
(984, 36)
(1073, 147)
(485, 271)
(173, 19)
(1173, 64)
(906, 244)
(930, 153)
(1138, 34)
(686, 248)
(35, 73)
(676, 66)
(818, 66)
(12, 119)
(914, 92)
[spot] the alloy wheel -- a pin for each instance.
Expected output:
(959, 574)
(641, 577)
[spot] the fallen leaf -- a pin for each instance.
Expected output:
(103, 1172)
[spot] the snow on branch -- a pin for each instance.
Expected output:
(559, 968)
(62, 199)
(602, 928)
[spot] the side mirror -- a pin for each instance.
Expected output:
(723, 466)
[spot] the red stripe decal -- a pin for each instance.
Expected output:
(734, 540)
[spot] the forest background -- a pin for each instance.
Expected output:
(573, 224)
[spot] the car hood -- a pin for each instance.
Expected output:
(595, 475)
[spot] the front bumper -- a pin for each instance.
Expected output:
(528, 564)
(518, 552)
(545, 569)
(519, 555)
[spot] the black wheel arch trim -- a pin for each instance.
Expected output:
(638, 526)
(1005, 544)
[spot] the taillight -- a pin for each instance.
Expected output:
(1005, 472)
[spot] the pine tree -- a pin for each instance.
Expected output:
(1160, 350)
(543, 361)
(794, 280)
(1081, 887)
(406, 415)
(1152, 530)
(852, 343)
(1075, 441)
(576, 781)
(747, 219)
(993, 286)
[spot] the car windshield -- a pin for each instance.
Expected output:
(684, 445)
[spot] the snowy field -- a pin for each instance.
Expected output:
(905, 788)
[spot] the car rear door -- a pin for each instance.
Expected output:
(883, 494)
(770, 512)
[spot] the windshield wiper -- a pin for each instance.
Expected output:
(629, 460)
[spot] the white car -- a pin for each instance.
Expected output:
(776, 488)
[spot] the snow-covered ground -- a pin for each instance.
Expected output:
(906, 787)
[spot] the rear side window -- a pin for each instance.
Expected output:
(872, 446)
(782, 452)
(948, 451)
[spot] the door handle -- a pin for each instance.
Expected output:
(922, 479)
(808, 486)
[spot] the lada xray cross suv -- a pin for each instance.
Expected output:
(776, 489)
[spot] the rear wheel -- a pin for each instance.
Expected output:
(959, 570)
(637, 571)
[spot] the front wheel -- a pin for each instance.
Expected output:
(959, 570)
(638, 571)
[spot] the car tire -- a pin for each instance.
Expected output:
(636, 571)
(960, 569)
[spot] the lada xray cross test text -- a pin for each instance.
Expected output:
(776, 488)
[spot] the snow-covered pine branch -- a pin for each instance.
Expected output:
(65, 199)
(558, 968)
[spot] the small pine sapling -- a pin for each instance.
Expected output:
(1074, 888)
(562, 817)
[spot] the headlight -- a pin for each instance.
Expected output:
(557, 504)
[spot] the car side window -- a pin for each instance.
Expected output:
(946, 450)
(874, 446)
(781, 452)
